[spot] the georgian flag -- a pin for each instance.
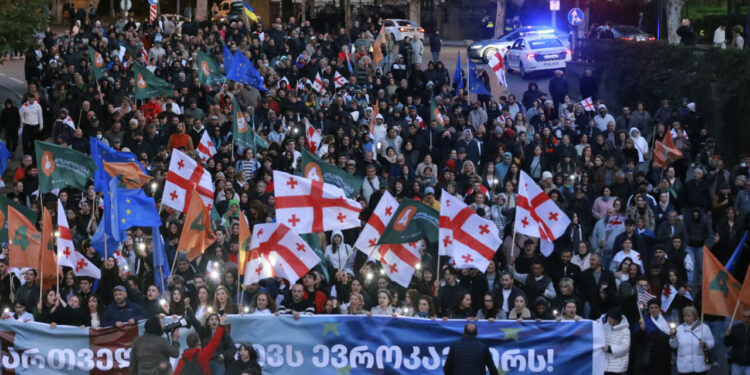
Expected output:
(318, 84)
(497, 66)
(184, 175)
(206, 149)
(312, 137)
(381, 216)
(400, 260)
(467, 237)
(588, 104)
(277, 251)
(308, 206)
(66, 252)
(537, 215)
(284, 83)
(69, 121)
(339, 80)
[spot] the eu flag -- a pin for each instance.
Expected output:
(126, 208)
(101, 153)
(4, 156)
(161, 264)
(227, 57)
(458, 79)
(475, 84)
(242, 70)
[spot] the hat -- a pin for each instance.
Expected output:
(691, 106)
(412, 107)
(120, 288)
(546, 175)
(498, 129)
(461, 150)
(214, 117)
(429, 190)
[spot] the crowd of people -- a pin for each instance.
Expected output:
(636, 229)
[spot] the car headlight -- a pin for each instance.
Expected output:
(475, 46)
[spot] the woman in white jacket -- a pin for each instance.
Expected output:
(337, 252)
(690, 339)
(617, 343)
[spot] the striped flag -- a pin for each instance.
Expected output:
(206, 149)
(153, 13)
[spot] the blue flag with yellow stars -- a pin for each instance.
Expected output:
(101, 153)
(242, 70)
(458, 79)
(227, 57)
(125, 208)
(161, 263)
(475, 84)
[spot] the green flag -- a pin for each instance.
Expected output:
(435, 115)
(412, 221)
(242, 134)
(61, 166)
(148, 85)
(314, 168)
(98, 66)
(208, 71)
(25, 211)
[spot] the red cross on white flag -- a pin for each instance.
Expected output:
(184, 175)
(318, 84)
(588, 104)
(308, 206)
(537, 215)
(313, 138)
(467, 237)
(339, 80)
(206, 148)
(497, 66)
(276, 250)
(66, 253)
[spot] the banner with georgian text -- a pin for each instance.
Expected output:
(322, 345)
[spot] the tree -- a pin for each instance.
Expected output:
(20, 20)
(415, 11)
(500, 19)
(674, 12)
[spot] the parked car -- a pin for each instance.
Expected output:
(486, 48)
(537, 53)
(229, 10)
(627, 32)
(400, 29)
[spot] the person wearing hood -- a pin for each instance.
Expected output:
(337, 252)
(196, 359)
(530, 95)
(641, 145)
(151, 351)
(10, 120)
(603, 118)
(477, 116)
(501, 168)
(470, 145)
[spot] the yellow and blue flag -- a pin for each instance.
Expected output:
(250, 12)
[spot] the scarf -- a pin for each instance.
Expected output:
(658, 323)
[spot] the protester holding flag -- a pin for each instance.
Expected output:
(693, 341)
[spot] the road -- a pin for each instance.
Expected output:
(12, 84)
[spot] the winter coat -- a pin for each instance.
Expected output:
(150, 351)
(689, 352)
(618, 339)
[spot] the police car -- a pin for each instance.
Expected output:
(485, 49)
(537, 53)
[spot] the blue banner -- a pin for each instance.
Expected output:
(386, 345)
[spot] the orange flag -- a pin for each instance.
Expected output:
(245, 237)
(720, 289)
(377, 53)
(47, 257)
(375, 112)
(745, 292)
(665, 153)
(25, 241)
(196, 232)
(132, 175)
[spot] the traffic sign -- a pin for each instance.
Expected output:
(554, 5)
(153, 2)
(125, 5)
(575, 17)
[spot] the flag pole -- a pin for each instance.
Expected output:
(161, 271)
(736, 307)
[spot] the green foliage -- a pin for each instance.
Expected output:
(718, 81)
(19, 21)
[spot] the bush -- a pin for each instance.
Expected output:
(718, 81)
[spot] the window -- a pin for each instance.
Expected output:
(545, 43)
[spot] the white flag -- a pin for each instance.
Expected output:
(185, 174)
(339, 80)
(277, 251)
(318, 84)
(206, 149)
(497, 66)
(67, 255)
(467, 237)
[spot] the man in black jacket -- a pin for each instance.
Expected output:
(738, 337)
(598, 288)
(469, 356)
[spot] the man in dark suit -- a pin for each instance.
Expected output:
(563, 268)
(598, 288)
(469, 356)
(506, 297)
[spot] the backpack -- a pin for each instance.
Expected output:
(192, 367)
